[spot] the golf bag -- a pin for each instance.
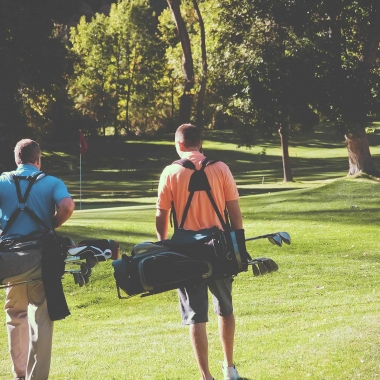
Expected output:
(189, 256)
(170, 264)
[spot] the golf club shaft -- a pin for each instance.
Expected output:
(260, 237)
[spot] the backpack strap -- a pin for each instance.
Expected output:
(198, 182)
(22, 205)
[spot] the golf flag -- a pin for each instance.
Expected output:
(83, 146)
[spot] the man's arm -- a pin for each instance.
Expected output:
(234, 213)
(162, 221)
(65, 208)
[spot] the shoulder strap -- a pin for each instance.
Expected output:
(198, 182)
(22, 206)
(185, 163)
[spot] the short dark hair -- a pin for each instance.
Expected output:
(27, 151)
(188, 134)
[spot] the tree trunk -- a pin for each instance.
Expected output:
(288, 175)
(129, 91)
(202, 91)
(187, 62)
(359, 156)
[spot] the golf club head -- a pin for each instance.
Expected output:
(79, 279)
(262, 267)
(85, 270)
(255, 270)
(270, 265)
(285, 237)
(91, 262)
(276, 240)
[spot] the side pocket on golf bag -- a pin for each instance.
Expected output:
(157, 269)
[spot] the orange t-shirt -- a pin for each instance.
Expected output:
(173, 187)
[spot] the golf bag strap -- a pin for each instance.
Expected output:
(22, 206)
(199, 182)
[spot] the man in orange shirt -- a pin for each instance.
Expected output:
(173, 188)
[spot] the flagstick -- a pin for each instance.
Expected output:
(80, 181)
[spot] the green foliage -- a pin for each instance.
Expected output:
(284, 62)
(119, 64)
(32, 66)
(262, 63)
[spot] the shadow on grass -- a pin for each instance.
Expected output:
(365, 217)
(246, 167)
(256, 191)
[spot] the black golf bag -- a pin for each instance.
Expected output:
(170, 264)
(189, 256)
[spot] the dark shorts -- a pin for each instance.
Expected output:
(194, 300)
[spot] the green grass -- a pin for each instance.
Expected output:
(120, 173)
(316, 318)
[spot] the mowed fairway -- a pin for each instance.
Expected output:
(316, 318)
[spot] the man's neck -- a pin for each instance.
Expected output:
(188, 151)
(36, 165)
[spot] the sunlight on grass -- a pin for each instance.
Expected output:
(316, 318)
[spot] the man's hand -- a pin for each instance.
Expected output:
(65, 209)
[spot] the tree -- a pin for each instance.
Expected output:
(32, 66)
(119, 65)
(285, 64)
(352, 82)
(202, 90)
(90, 87)
(187, 62)
(264, 66)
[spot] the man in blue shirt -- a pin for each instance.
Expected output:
(30, 329)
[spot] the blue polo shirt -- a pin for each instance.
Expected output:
(45, 194)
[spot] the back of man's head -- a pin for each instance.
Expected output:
(189, 135)
(27, 152)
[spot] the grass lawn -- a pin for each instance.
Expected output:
(316, 318)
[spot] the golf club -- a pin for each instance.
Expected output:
(263, 266)
(285, 237)
(87, 254)
(276, 238)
